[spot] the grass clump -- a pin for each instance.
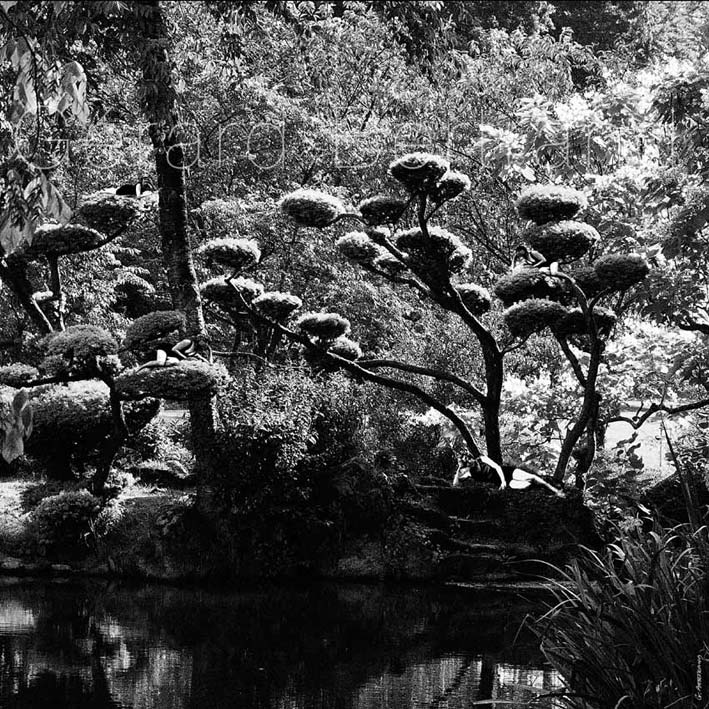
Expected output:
(630, 627)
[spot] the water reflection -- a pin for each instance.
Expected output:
(103, 646)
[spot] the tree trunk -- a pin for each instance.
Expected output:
(14, 272)
(494, 376)
(589, 406)
(159, 98)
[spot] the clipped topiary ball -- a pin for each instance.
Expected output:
(620, 271)
(587, 280)
(108, 213)
(450, 186)
(562, 241)
(381, 209)
(419, 171)
(346, 348)
(277, 306)
(63, 522)
(530, 316)
(475, 298)
(342, 347)
(17, 375)
(324, 326)
(73, 422)
(178, 381)
(77, 349)
(574, 322)
(546, 203)
(312, 208)
(357, 246)
(159, 329)
(524, 284)
(217, 290)
(60, 240)
(235, 254)
(389, 264)
(438, 254)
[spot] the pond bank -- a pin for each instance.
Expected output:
(430, 533)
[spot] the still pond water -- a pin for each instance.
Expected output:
(100, 645)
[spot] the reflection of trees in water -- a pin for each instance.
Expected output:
(328, 646)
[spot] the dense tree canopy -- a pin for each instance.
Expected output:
(223, 108)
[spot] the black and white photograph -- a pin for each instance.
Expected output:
(354, 355)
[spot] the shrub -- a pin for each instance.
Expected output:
(78, 349)
(324, 326)
(357, 246)
(312, 208)
(532, 316)
(439, 252)
(476, 298)
(226, 295)
(158, 329)
(108, 214)
(450, 186)
(17, 375)
(389, 264)
(62, 523)
(587, 280)
(381, 209)
(60, 240)
(419, 171)
(562, 241)
(574, 322)
(546, 203)
(620, 271)
(526, 283)
(72, 422)
(161, 440)
(277, 306)
(177, 381)
(235, 254)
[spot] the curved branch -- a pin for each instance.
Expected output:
(637, 421)
(381, 379)
(573, 361)
(439, 374)
(411, 282)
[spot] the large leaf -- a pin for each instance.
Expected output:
(13, 445)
